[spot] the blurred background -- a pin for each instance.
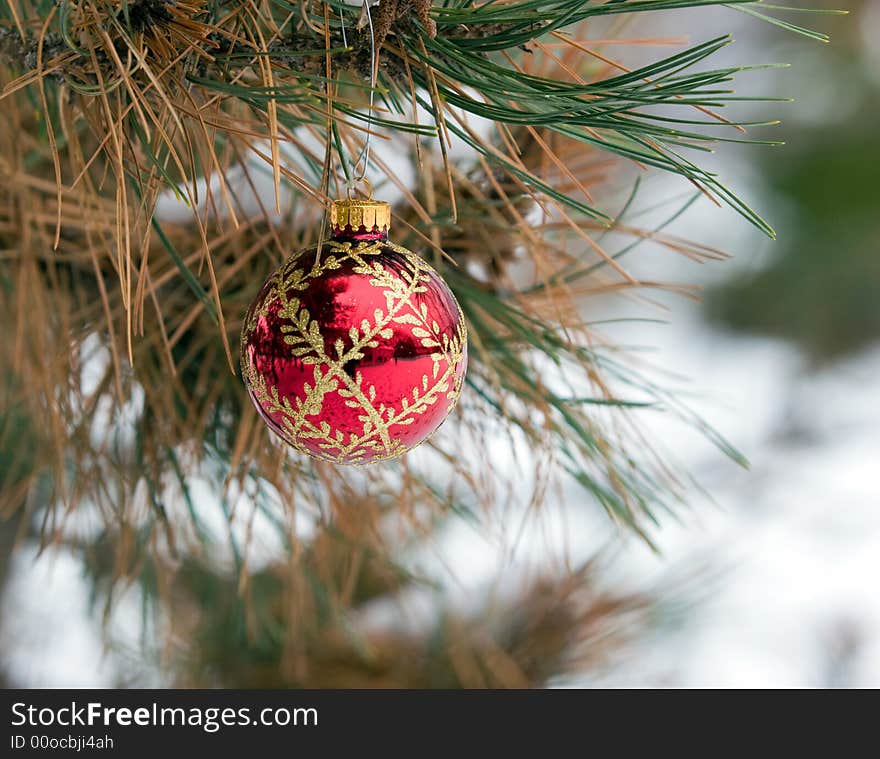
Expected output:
(769, 577)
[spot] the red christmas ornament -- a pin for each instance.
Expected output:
(357, 352)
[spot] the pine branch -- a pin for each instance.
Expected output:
(124, 373)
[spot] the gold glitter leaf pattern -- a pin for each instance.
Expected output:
(299, 420)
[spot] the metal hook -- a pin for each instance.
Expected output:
(364, 155)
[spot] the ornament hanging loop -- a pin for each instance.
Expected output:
(350, 188)
(357, 174)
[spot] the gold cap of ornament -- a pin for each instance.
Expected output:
(360, 213)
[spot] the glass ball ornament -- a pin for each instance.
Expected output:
(355, 352)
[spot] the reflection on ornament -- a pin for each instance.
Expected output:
(356, 353)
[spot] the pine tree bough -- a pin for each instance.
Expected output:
(152, 17)
(115, 386)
